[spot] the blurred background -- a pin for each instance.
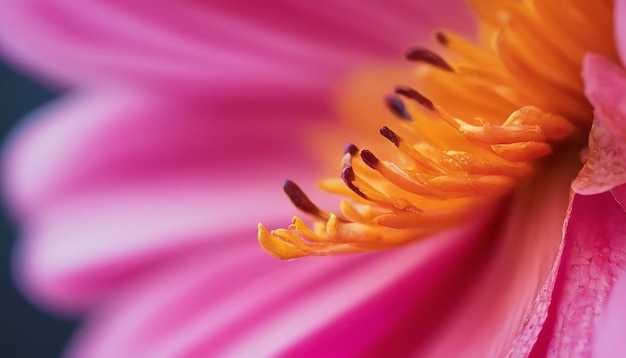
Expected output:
(25, 330)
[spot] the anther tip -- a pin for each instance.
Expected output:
(369, 158)
(390, 135)
(441, 38)
(419, 54)
(348, 177)
(397, 107)
(414, 95)
(298, 198)
(347, 174)
(288, 184)
(350, 149)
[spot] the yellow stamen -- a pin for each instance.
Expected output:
(470, 127)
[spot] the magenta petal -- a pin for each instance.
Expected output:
(608, 339)
(237, 301)
(94, 140)
(70, 257)
(619, 193)
(605, 87)
(593, 259)
(106, 184)
(191, 45)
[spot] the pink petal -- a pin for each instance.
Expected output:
(605, 87)
(619, 193)
(232, 300)
(193, 44)
(237, 301)
(93, 140)
(608, 338)
(593, 258)
(109, 183)
(81, 249)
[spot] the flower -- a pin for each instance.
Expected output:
(173, 133)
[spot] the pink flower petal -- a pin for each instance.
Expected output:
(232, 300)
(92, 140)
(605, 167)
(193, 44)
(70, 257)
(619, 193)
(608, 338)
(605, 87)
(593, 258)
(159, 176)
(237, 301)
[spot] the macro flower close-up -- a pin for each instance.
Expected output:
(456, 171)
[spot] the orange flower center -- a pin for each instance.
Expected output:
(469, 128)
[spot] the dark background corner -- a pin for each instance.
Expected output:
(25, 331)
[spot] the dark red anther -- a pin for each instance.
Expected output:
(348, 176)
(419, 54)
(397, 107)
(350, 149)
(391, 135)
(441, 38)
(299, 199)
(369, 158)
(416, 96)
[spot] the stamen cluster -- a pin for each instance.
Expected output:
(469, 129)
